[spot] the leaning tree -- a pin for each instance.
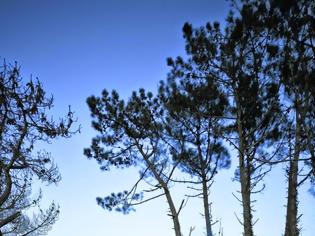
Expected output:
(130, 134)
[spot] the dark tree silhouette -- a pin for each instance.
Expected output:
(291, 27)
(194, 109)
(296, 31)
(235, 59)
(130, 134)
(23, 123)
(249, 85)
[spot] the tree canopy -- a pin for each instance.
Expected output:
(248, 86)
(24, 122)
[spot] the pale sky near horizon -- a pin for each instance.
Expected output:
(79, 47)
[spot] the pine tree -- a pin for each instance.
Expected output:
(235, 59)
(23, 123)
(291, 27)
(194, 111)
(130, 134)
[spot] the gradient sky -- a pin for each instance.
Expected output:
(77, 48)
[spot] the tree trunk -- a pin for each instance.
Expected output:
(245, 179)
(174, 213)
(246, 201)
(206, 206)
(291, 226)
(205, 192)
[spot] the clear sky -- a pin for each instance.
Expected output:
(77, 48)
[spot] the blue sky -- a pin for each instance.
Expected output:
(77, 48)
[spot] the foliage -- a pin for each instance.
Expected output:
(24, 123)
(130, 134)
(248, 86)
(193, 112)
